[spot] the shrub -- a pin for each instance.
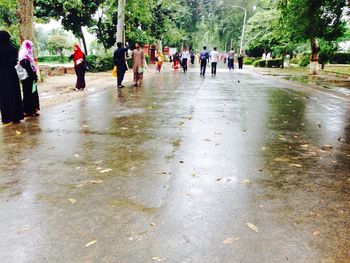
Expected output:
(249, 60)
(271, 63)
(53, 58)
(340, 58)
(304, 60)
(295, 60)
(100, 63)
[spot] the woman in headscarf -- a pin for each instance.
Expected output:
(176, 60)
(30, 92)
(10, 91)
(138, 64)
(79, 66)
(159, 61)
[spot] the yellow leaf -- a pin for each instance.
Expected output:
(90, 243)
(158, 259)
(253, 227)
(72, 201)
(18, 133)
(245, 181)
(316, 233)
(231, 240)
(106, 171)
(296, 165)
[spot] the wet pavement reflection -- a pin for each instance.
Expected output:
(232, 168)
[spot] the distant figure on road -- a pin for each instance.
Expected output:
(231, 59)
(159, 61)
(119, 61)
(204, 58)
(79, 66)
(10, 91)
(240, 61)
(184, 59)
(138, 64)
(224, 56)
(177, 60)
(31, 105)
(214, 56)
(193, 56)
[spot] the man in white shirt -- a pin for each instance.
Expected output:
(214, 56)
(185, 57)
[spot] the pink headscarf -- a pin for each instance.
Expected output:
(26, 52)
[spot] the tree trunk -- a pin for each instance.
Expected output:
(26, 25)
(315, 51)
(121, 21)
(83, 39)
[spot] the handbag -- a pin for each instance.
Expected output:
(140, 70)
(21, 72)
(115, 71)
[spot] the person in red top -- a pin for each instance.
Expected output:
(79, 66)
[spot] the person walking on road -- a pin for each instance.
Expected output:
(214, 56)
(204, 59)
(176, 59)
(185, 57)
(138, 64)
(159, 61)
(193, 56)
(80, 67)
(119, 61)
(240, 61)
(231, 59)
(10, 90)
(30, 92)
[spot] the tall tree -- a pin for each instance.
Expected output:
(26, 19)
(74, 14)
(312, 20)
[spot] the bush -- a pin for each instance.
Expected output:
(271, 63)
(295, 60)
(100, 63)
(249, 60)
(340, 58)
(105, 62)
(304, 59)
(54, 58)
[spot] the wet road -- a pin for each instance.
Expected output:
(236, 168)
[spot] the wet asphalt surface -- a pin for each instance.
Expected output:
(232, 168)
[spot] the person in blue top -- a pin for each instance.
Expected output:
(119, 61)
(204, 58)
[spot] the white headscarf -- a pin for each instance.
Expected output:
(26, 52)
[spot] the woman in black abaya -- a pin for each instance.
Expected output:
(10, 92)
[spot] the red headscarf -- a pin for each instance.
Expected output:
(78, 55)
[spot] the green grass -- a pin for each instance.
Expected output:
(339, 70)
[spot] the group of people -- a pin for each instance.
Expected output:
(13, 107)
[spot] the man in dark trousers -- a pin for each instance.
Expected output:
(204, 57)
(119, 61)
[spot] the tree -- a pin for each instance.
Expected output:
(26, 19)
(56, 44)
(312, 20)
(74, 14)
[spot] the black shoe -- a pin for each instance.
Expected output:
(121, 86)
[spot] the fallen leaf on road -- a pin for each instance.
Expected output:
(253, 227)
(18, 133)
(296, 165)
(72, 201)
(158, 259)
(219, 179)
(304, 146)
(231, 240)
(106, 171)
(76, 155)
(245, 181)
(281, 159)
(153, 224)
(316, 233)
(90, 243)
(162, 172)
